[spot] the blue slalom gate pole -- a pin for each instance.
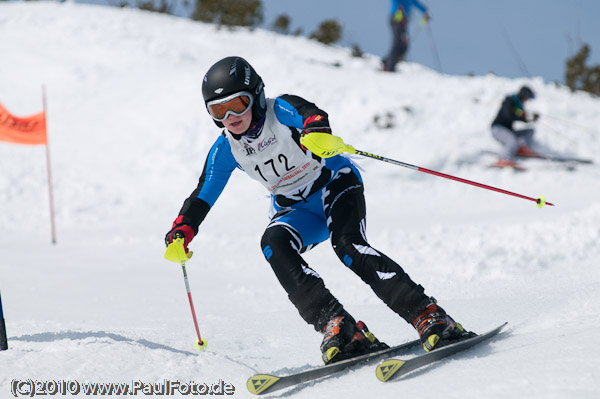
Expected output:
(3, 339)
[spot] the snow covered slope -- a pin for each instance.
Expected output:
(128, 138)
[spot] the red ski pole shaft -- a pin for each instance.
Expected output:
(176, 252)
(538, 200)
(189, 293)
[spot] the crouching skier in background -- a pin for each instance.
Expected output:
(515, 143)
(314, 199)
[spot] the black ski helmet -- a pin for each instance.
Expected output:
(525, 93)
(233, 75)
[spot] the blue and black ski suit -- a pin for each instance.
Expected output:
(313, 199)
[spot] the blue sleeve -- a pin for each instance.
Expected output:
(296, 112)
(218, 167)
(287, 114)
(420, 6)
(393, 6)
(407, 4)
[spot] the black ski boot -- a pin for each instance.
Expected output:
(437, 329)
(345, 338)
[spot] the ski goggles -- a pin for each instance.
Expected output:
(236, 104)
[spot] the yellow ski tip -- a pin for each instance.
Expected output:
(176, 253)
(259, 383)
(325, 145)
(387, 369)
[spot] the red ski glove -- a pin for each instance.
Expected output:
(180, 230)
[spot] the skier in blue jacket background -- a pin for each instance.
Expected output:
(400, 11)
(313, 200)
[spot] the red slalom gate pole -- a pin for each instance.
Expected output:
(540, 201)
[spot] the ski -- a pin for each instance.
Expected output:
(542, 157)
(560, 159)
(395, 368)
(516, 168)
(265, 383)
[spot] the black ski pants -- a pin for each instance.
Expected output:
(344, 209)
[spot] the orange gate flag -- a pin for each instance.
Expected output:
(23, 130)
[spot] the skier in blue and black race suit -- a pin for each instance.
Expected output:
(313, 199)
(400, 11)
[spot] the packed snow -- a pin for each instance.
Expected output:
(128, 139)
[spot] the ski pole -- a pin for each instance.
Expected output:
(566, 122)
(176, 253)
(571, 141)
(434, 49)
(520, 61)
(327, 145)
